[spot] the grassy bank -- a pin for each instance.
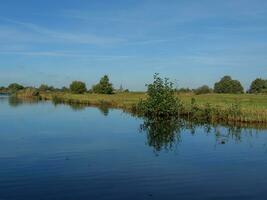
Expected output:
(246, 108)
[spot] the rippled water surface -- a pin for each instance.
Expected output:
(72, 153)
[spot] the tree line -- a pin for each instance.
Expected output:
(104, 86)
(225, 85)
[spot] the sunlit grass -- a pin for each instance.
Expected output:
(253, 107)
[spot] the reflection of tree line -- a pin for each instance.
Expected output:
(79, 107)
(165, 134)
(15, 102)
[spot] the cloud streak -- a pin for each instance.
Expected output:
(38, 33)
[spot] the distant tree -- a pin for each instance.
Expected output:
(227, 85)
(14, 87)
(78, 87)
(3, 90)
(203, 90)
(64, 89)
(44, 87)
(104, 86)
(258, 86)
(183, 90)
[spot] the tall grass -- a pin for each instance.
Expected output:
(234, 108)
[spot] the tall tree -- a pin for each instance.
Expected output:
(14, 87)
(228, 85)
(104, 86)
(78, 87)
(258, 86)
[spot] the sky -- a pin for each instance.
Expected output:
(190, 41)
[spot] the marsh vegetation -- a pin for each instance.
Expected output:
(225, 103)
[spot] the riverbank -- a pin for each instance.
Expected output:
(247, 108)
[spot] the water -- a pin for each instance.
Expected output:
(70, 153)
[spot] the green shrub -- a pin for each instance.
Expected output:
(161, 101)
(14, 87)
(45, 87)
(227, 85)
(78, 87)
(203, 90)
(104, 86)
(258, 86)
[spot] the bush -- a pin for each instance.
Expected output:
(183, 90)
(258, 86)
(29, 93)
(45, 87)
(161, 101)
(64, 89)
(203, 90)
(227, 85)
(14, 87)
(103, 87)
(78, 87)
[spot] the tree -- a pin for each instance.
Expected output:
(258, 86)
(78, 87)
(14, 87)
(64, 89)
(183, 90)
(161, 101)
(104, 86)
(203, 90)
(227, 85)
(43, 87)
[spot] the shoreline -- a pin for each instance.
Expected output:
(215, 107)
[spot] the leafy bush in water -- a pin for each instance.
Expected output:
(161, 101)
(78, 87)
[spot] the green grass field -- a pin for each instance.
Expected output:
(253, 107)
(246, 101)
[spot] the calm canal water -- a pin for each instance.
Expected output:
(71, 153)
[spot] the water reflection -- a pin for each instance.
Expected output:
(162, 133)
(77, 107)
(165, 134)
(104, 110)
(15, 102)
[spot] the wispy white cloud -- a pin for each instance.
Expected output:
(63, 54)
(42, 34)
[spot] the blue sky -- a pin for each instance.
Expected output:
(193, 42)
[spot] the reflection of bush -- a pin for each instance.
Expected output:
(161, 133)
(104, 110)
(77, 107)
(166, 133)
